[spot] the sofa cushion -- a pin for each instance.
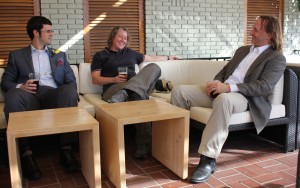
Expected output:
(3, 123)
(75, 70)
(85, 82)
(202, 114)
(94, 98)
(1, 92)
(82, 103)
(277, 95)
(86, 105)
(293, 59)
(163, 95)
(188, 72)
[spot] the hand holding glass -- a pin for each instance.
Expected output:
(123, 71)
(212, 93)
(35, 77)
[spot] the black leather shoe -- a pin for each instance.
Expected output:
(68, 160)
(30, 170)
(204, 169)
(142, 151)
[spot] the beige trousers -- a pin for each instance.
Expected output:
(216, 129)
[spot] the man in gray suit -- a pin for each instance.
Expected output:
(57, 88)
(243, 84)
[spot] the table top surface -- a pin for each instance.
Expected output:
(145, 109)
(49, 119)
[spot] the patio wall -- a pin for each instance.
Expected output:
(187, 28)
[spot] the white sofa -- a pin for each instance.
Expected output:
(283, 98)
(199, 72)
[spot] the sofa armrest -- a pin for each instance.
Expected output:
(290, 95)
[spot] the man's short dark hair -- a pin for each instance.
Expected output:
(36, 23)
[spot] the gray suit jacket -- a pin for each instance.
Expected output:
(259, 81)
(20, 65)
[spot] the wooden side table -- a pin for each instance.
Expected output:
(54, 121)
(170, 135)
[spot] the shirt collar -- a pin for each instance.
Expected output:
(260, 49)
(33, 49)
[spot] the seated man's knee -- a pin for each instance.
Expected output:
(223, 98)
(70, 91)
(15, 95)
(154, 67)
(178, 90)
(177, 95)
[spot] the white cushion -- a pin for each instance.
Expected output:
(87, 106)
(75, 70)
(277, 95)
(202, 114)
(188, 72)
(82, 103)
(1, 92)
(293, 59)
(3, 123)
(94, 98)
(163, 95)
(85, 81)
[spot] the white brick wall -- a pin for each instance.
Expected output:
(67, 20)
(187, 28)
(291, 26)
(194, 28)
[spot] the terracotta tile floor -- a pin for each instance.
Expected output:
(246, 161)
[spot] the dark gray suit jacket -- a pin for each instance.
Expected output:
(259, 81)
(20, 65)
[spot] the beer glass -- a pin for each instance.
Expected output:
(123, 71)
(35, 76)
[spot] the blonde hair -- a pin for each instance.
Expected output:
(271, 26)
(113, 34)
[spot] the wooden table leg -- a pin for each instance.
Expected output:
(14, 162)
(112, 150)
(90, 156)
(170, 140)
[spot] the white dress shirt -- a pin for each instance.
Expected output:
(41, 64)
(239, 73)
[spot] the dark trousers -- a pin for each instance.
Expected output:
(18, 100)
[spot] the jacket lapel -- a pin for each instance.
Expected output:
(28, 58)
(238, 60)
(52, 61)
(263, 56)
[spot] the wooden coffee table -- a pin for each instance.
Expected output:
(170, 135)
(53, 121)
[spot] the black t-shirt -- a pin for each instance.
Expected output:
(108, 61)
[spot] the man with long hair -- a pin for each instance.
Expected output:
(243, 84)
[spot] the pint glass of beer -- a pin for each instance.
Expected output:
(123, 71)
(35, 76)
